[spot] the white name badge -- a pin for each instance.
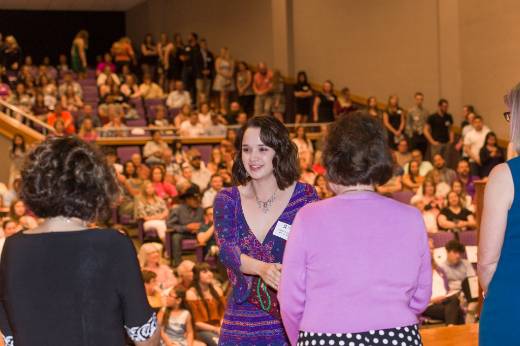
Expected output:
(282, 230)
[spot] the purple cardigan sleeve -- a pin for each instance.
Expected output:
(226, 232)
(291, 293)
(423, 293)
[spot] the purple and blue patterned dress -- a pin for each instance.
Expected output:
(244, 323)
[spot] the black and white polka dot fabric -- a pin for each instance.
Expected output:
(401, 336)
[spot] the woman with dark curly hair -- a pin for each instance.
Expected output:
(357, 267)
(252, 222)
(63, 282)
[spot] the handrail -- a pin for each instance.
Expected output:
(24, 114)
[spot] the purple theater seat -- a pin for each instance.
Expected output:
(468, 238)
(441, 238)
(125, 153)
(205, 151)
(403, 196)
(136, 122)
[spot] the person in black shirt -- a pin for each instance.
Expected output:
(455, 217)
(438, 130)
(490, 155)
(64, 283)
(204, 71)
(188, 55)
(324, 110)
(303, 98)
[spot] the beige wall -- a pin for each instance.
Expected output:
(489, 32)
(462, 50)
(374, 47)
(243, 26)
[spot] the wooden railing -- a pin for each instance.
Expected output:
(15, 120)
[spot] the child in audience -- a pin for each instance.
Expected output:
(18, 213)
(153, 294)
(175, 320)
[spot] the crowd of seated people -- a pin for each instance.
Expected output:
(170, 189)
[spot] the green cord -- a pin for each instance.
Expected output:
(264, 288)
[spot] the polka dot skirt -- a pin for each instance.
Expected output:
(401, 336)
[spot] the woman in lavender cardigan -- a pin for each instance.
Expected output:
(357, 268)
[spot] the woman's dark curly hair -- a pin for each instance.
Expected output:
(356, 151)
(276, 136)
(65, 176)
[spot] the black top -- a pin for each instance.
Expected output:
(326, 108)
(440, 126)
(73, 288)
(451, 216)
(488, 162)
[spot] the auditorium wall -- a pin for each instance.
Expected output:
(245, 27)
(462, 50)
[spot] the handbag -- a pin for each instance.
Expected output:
(264, 298)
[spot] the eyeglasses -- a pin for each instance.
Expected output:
(507, 116)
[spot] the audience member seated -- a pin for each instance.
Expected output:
(150, 89)
(490, 155)
(130, 89)
(474, 140)
(68, 81)
(412, 180)
(39, 107)
(153, 150)
(183, 116)
(49, 90)
(205, 114)
(65, 116)
(112, 159)
(131, 188)
(446, 175)
(161, 119)
(152, 209)
(427, 201)
(171, 165)
(467, 201)
(307, 175)
(205, 237)
(443, 306)
(457, 270)
(192, 127)
(63, 66)
(87, 132)
(216, 128)
(107, 61)
(21, 98)
(215, 159)
(153, 293)
(175, 320)
(17, 154)
(424, 166)
(107, 74)
(150, 259)
(18, 213)
(322, 187)
(402, 154)
(87, 112)
(70, 101)
(9, 227)
(464, 175)
(215, 185)
(231, 116)
(304, 145)
(115, 127)
(454, 217)
(59, 128)
(185, 274)
(201, 175)
(185, 220)
(163, 189)
(207, 304)
(179, 97)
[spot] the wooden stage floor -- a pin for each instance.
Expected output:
(466, 335)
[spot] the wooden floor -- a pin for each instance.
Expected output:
(466, 335)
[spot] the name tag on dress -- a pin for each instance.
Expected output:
(282, 230)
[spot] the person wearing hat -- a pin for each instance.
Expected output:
(185, 220)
